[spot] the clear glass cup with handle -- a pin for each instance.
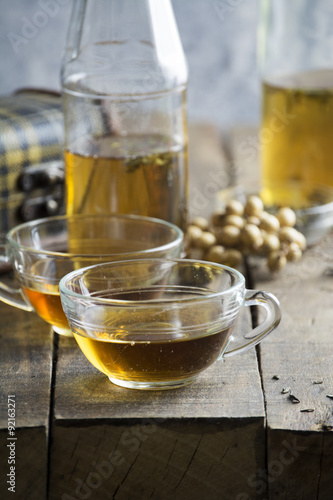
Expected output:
(41, 252)
(159, 323)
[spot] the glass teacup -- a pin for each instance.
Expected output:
(158, 323)
(43, 251)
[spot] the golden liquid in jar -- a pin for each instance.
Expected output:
(297, 145)
(134, 175)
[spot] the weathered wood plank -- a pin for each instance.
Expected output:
(305, 371)
(300, 362)
(156, 459)
(216, 425)
(299, 465)
(302, 348)
(26, 360)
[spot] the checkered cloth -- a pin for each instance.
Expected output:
(31, 132)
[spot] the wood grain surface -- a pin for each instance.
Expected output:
(26, 363)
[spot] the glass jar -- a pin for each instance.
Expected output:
(296, 62)
(124, 80)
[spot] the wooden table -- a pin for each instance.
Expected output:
(231, 435)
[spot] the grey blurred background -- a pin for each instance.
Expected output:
(219, 39)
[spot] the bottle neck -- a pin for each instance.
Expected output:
(115, 46)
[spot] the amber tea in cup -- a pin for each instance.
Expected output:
(43, 251)
(158, 323)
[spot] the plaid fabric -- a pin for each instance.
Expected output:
(31, 132)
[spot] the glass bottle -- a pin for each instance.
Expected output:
(124, 80)
(296, 61)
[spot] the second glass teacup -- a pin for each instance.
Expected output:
(158, 323)
(43, 251)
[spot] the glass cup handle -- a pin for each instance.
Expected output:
(9, 295)
(273, 317)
